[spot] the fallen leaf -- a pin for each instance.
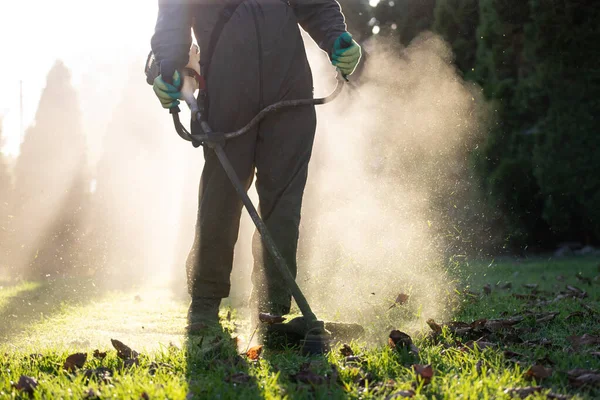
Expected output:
(270, 319)
(481, 345)
(309, 377)
(99, 354)
(487, 289)
(537, 372)
(576, 314)
(547, 317)
(144, 396)
(576, 292)
(437, 329)
(545, 360)
(124, 352)
(26, 384)
(346, 351)
(579, 377)
(401, 340)
(254, 352)
(75, 361)
(238, 378)
(585, 340)
(401, 299)
(423, 372)
(525, 296)
(523, 392)
(590, 309)
(101, 374)
(583, 279)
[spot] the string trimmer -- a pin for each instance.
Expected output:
(315, 335)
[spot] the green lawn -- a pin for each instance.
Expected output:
(525, 325)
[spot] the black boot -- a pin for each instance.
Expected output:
(203, 313)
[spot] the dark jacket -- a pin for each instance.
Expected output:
(322, 19)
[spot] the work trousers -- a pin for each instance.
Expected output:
(259, 59)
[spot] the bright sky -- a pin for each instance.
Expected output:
(98, 40)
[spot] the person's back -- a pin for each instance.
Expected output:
(252, 55)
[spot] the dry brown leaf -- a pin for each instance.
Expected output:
(579, 377)
(270, 319)
(437, 329)
(75, 361)
(585, 340)
(124, 352)
(309, 377)
(101, 374)
(26, 384)
(537, 372)
(481, 345)
(346, 350)
(423, 372)
(523, 392)
(254, 352)
(400, 340)
(584, 279)
(576, 292)
(401, 299)
(144, 396)
(576, 314)
(525, 296)
(546, 317)
(99, 354)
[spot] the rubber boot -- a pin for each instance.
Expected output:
(203, 314)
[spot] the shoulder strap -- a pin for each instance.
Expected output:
(224, 17)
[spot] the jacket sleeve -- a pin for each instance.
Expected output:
(172, 36)
(322, 19)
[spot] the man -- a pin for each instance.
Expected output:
(252, 55)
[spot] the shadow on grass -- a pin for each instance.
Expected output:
(215, 369)
(36, 301)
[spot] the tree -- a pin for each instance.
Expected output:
(456, 21)
(564, 90)
(505, 161)
(404, 18)
(51, 182)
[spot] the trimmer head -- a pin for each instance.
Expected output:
(313, 337)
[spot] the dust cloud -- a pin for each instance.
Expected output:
(390, 165)
(388, 190)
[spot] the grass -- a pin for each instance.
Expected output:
(174, 366)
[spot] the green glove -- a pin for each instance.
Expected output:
(345, 54)
(168, 94)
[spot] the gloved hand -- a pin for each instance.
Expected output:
(168, 91)
(345, 54)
